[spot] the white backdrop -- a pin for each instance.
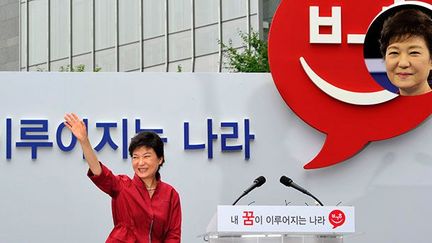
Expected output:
(50, 199)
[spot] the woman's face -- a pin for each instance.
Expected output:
(145, 162)
(408, 63)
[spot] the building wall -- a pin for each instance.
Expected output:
(176, 34)
(268, 9)
(9, 35)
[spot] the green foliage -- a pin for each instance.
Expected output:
(253, 59)
(77, 68)
(179, 68)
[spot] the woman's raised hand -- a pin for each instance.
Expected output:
(76, 126)
(79, 130)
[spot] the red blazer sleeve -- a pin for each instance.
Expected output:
(106, 181)
(174, 228)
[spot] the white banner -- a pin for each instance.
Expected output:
(286, 219)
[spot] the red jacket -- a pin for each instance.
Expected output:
(137, 217)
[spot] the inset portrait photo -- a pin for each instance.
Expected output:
(398, 49)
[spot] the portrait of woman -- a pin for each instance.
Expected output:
(144, 208)
(405, 44)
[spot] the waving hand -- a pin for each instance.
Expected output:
(79, 130)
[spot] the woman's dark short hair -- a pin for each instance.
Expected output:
(150, 140)
(404, 24)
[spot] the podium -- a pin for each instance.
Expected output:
(280, 224)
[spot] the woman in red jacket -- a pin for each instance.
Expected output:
(144, 208)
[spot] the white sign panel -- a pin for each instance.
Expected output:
(222, 131)
(286, 219)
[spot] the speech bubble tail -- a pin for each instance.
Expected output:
(335, 149)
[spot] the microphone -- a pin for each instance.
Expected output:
(257, 183)
(290, 183)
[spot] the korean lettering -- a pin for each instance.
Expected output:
(234, 135)
(317, 220)
(275, 219)
(106, 137)
(234, 219)
(269, 219)
(248, 217)
(210, 138)
(298, 220)
(31, 132)
(34, 134)
(124, 138)
(225, 138)
(247, 137)
(8, 138)
(259, 219)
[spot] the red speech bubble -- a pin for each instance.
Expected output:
(300, 46)
(336, 218)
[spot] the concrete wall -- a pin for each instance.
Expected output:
(9, 35)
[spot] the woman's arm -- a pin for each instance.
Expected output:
(78, 129)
